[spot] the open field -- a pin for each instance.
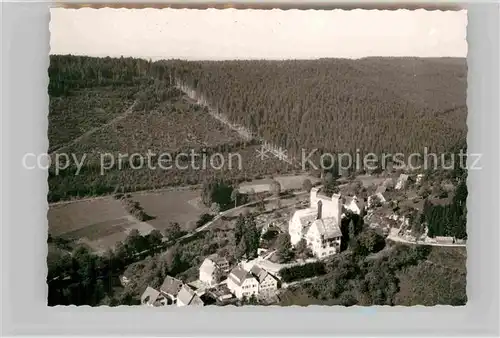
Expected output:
(241, 167)
(183, 207)
(287, 182)
(99, 223)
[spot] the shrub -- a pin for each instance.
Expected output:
(302, 271)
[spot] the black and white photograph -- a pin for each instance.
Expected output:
(231, 157)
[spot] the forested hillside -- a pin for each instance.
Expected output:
(371, 104)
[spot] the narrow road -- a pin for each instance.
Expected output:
(120, 117)
(229, 211)
(287, 285)
(402, 240)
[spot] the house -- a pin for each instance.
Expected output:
(152, 297)
(323, 237)
(242, 283)
(171, 287)
(222, 295)
(418, 179)
(445, 239)
(268, 284)
(187, 296)
(319, 224)
(210, 272)
(402, 182)
(355, 205)
(221, 262)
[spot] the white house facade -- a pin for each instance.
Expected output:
(319, 224)
(354, 205)
(188, 297)
(210, 273)
(268, 284)
(242, 283)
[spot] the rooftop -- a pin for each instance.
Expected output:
(171, 286)
(188, 296)
(328, 227)
(239, 275)
(150, 296)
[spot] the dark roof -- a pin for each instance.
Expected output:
(260, 273)
(171, 286)
(239, 275)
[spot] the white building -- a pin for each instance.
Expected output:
(268, 284)
(171, 287)
(209, 272)
(319, 224)
(212, 269)
(355, 205)
(221, 262)
(188, 297)
(242, 283)
(152, 297)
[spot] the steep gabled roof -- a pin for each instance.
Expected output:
(188, 296)
(258, 273)
(239, 275)
(171, 286)
(327, 227)
(150, 296)
(208, 266)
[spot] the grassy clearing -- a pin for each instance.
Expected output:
(182, 207)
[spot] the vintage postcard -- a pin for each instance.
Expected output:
(257, 157)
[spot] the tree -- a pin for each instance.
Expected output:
(234, 196)
(302, 250)
(155, 238)
(216, 191)
(241, 249)
(251, 237)
(368, 242)
(307, 185)
(328, 179)
(239, 229)
(284, 248)
(173, 231)
(275, 188)
(253, 300)
(173, 260)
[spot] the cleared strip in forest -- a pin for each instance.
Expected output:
(244, 132)
(120, 117)
(199, 99)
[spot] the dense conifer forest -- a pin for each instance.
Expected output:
(372, 104)
(340, 105)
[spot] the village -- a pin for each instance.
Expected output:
(389, 204)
